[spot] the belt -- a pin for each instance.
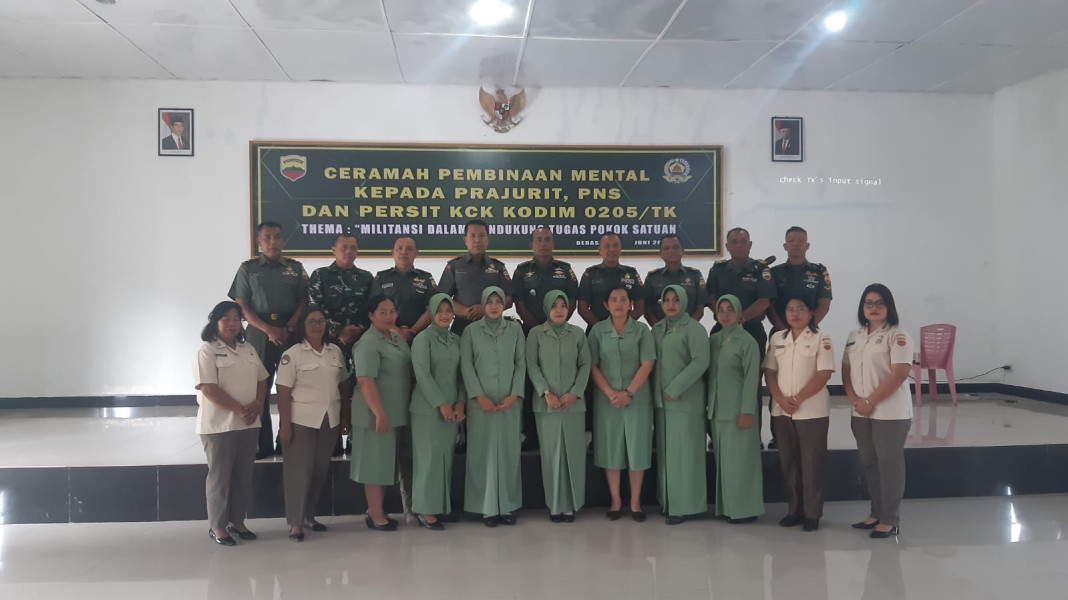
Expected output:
(278, 317)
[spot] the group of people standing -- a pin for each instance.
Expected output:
(406, 367)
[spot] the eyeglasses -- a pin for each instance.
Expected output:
(876, 304)
(315, 322)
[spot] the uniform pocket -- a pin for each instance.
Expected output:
(223, 362)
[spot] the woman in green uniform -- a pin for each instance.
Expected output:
(680, 399)
(732, 405)
(437, 409)
(558, 362)
(494, 367)
(379, 408)
(622, 355)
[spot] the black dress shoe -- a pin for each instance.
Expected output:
(638, 516)
(811, 525)
(449, 518)
(245, 535)
(863, 525)
(567, 518)
(297, 537)
(673, 520)
(742, 520)
(222, 541)
(435, 526)
(489, 521)
(508, 519)
(790, 521)
(878, 535)
(556, 518)
(614, 515)
(395, 523)
(314, 525)
(372, 525)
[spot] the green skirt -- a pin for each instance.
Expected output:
(433, 449)
(685, 487)
(493, 484)
(739, 473)
(562, 436)
(622, 437)
(374, 456)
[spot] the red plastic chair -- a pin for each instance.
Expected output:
(936, 352)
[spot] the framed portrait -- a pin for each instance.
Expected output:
(175, 135)
(787, 139)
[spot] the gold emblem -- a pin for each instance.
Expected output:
(502, 112)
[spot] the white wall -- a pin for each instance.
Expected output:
(115, 255)
(1031, 143)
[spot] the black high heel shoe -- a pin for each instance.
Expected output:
(389, 526)
(879, 535)
(222, 541)
(245, 535)
(435, 526)
(863, 525)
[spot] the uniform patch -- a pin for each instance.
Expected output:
(879, 339)
(779, 346)
(900, 339)
(766, 276)
(826, 344)
(285, 359)
(826, 281)
(220, 355)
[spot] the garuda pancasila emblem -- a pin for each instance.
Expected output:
(502, 113)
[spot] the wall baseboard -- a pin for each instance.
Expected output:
(190, 400)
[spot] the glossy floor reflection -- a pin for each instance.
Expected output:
(164, 435)
(975, 548)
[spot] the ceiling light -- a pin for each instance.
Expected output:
(489, 12)
(836, 20)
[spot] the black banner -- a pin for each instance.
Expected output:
(381, 192)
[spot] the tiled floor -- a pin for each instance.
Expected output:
(164, 435)
(976, 548)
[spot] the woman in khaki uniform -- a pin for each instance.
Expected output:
(312, 383)
(622, 356)
(682, 353)
(383, 364)
(437, 410)
(231, 384)
(798, 366)
(558, 362)
(494, 367)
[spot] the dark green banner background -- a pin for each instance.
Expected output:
(381, 192)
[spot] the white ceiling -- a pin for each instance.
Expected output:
(973, 46)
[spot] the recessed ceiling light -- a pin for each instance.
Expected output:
(490, 12)
(106, 1)
(836, 20)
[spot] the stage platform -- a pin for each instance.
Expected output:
(146, 464)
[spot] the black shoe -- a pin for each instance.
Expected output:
(811, 525)
(314, 525)
(742, 520)
(508, 519)
(567, 518)
(878, 535)
(489, 521)
(297, 537)
(773, 445)
(638, 516)
(449, 518)
(614, 515)
(863, 525)
(435, 526)
(222, 541)
(260, 455)
(673, 520)
(389, 526)
(395, 523)
(790, 521)
(556, 518)
(245, 535)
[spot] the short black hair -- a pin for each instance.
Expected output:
(210, 333)
(342, 235)
(302, 330)
(668, 237)
(468, 225)
(375, 301)
(739, 230)
(539, 228)
(600, 240)
(618, 286)
(811, 309)
(268, 224)
(796, 229)
(888, 298)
